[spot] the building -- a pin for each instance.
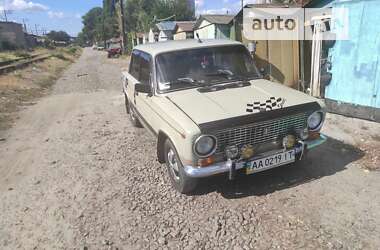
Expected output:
(162, 31)
(214, 26)
(184, 30)
(12, 36)
(140, 38)
(31, 40)
(279, 60)
(353, 88)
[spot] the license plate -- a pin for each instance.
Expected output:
(270, 162)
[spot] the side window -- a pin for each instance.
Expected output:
(145, 68)
(135, 65)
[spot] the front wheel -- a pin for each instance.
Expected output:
(180, 181)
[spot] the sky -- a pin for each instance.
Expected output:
(46, 15)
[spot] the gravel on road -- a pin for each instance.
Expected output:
(75, 174)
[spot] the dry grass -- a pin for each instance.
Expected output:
(22, 87)
(7, 55)
(19, 54)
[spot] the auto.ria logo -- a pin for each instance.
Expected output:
(295, 23)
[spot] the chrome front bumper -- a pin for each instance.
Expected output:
(224, 167)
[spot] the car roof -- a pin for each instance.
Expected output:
(169, 46)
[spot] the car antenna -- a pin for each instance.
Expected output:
(199, 39)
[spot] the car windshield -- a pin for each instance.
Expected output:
(206, 66)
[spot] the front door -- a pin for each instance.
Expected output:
(141, 73)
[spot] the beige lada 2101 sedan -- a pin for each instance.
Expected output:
(213, 113)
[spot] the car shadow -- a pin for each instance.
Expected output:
(328, 159)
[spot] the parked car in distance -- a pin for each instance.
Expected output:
(114, 50)
(99, 47)
(212, 112)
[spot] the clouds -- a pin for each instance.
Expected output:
(215, 11)
(222, 7)
(22, 5)
(56, 14)
(199, 3)
(30, 6)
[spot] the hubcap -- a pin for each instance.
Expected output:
(173, 164)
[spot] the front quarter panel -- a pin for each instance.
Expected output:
(174, 123)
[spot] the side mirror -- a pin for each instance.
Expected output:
(143, 88)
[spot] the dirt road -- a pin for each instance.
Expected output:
(74, 174)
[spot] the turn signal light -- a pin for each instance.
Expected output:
(314, 135)
(247, 152)
(206, 162)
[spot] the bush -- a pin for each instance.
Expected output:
(73, 50)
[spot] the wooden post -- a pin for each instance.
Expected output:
(122, 27)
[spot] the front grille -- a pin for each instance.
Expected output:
(260, 133)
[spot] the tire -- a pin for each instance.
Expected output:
(180, 181)
(132, 115)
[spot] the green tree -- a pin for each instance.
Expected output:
(140, 14)
(101, 24)
(92, 24)
(59, 36)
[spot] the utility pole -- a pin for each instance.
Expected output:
(5, 15)
(301, 82)
(23, 21)
(122, 26)
(36, 29)
(103, 33)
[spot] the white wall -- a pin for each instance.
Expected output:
(165, 35)
(180, 35)
(206, 30)
(151, 36)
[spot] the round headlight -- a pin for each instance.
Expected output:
(315, 120)
(205, 145)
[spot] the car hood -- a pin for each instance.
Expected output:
(228, 103)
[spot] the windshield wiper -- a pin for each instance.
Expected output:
(191, 81)
(222, 72)
(187, 80)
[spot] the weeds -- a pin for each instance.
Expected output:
(60, 55)
(73, 50)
